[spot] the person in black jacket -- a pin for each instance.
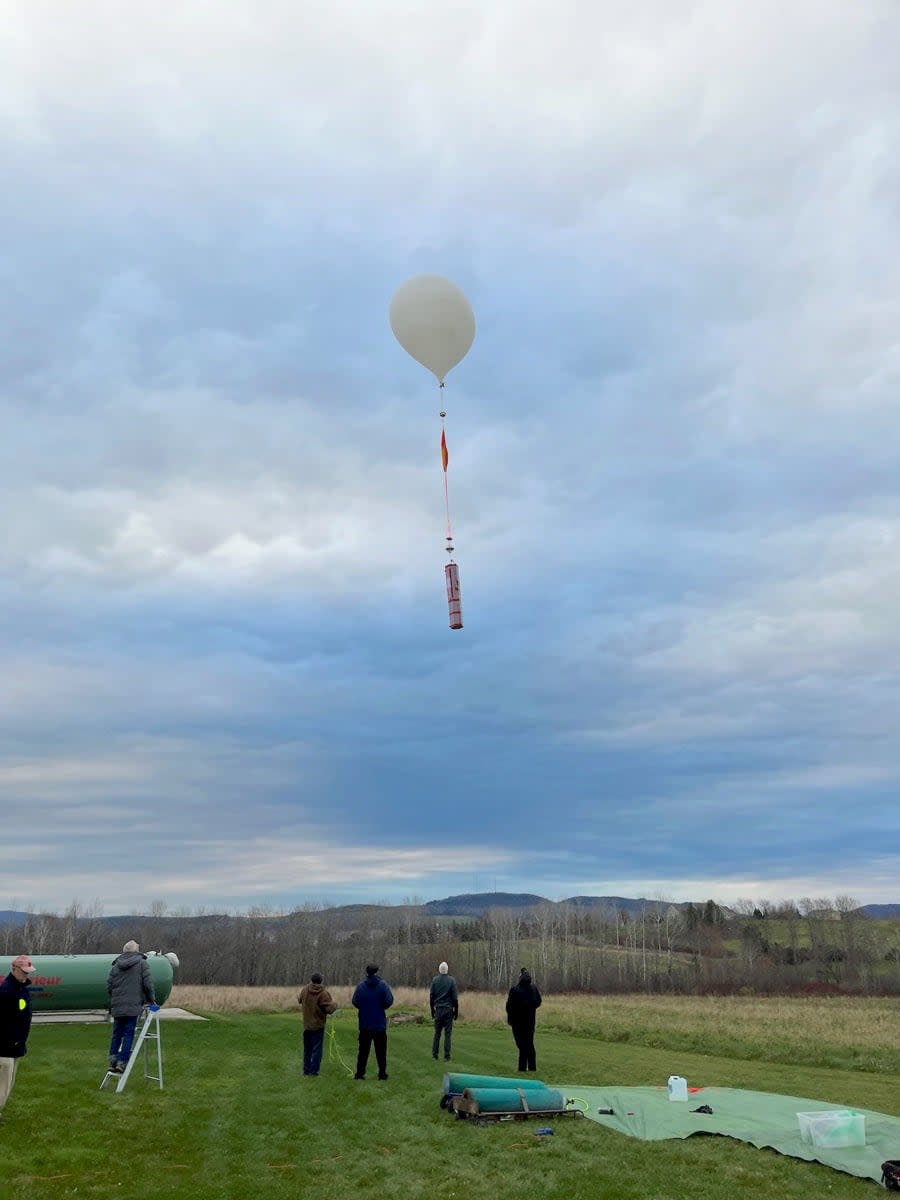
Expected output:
(444, 1001)
(15, 1022)
(522, 1004)
(130, 988)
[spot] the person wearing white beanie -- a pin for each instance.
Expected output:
(444, 1001)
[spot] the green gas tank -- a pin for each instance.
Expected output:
(73, 982)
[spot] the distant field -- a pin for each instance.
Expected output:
(857, 1033)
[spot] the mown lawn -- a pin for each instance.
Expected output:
(237, 1119)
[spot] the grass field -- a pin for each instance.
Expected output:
(236, 1117)
(858, 1033)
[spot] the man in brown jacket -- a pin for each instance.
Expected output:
(316, 1003)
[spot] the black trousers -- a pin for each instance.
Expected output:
(524, 1039)
(443, 1020)
(367, 1039)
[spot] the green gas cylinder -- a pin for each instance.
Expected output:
(72, 982)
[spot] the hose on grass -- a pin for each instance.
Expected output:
(334, 1054)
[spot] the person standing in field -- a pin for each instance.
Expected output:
(130, 988)
(444, 1001)
(316, 1003)
(372, 999)
(522, 1004)
(15, 1022)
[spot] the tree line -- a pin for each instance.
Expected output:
(813, 945)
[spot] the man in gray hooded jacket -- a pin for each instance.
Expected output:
(130, 987)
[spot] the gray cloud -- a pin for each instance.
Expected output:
(673, 449)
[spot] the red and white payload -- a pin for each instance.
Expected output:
(454, 597)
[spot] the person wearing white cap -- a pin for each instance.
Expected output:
(15, 1022)
(130, 987)
(444, 1001)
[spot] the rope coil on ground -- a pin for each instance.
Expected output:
(334, 1054)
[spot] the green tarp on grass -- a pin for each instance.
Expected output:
(761, 1118)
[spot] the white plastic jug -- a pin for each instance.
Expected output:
(677, 1087)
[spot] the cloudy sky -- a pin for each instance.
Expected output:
(227, 674)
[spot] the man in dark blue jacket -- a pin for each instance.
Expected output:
(372, 998)
(15, 1022)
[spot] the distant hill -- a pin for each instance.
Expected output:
(882, 912)
(478, 903)
(621, 903)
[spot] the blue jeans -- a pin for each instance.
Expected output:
(312, 1050)
(122, 1038)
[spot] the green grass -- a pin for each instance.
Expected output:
(237, 1119)
(846, 1033)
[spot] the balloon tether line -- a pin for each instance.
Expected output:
(449, 538)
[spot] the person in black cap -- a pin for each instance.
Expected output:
(372, 999)
(316, 1003)
(522, 1004)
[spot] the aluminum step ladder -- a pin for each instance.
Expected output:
(149, 1032)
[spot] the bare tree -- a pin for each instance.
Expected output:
(502, 945)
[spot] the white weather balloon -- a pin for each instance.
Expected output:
(433, 322)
